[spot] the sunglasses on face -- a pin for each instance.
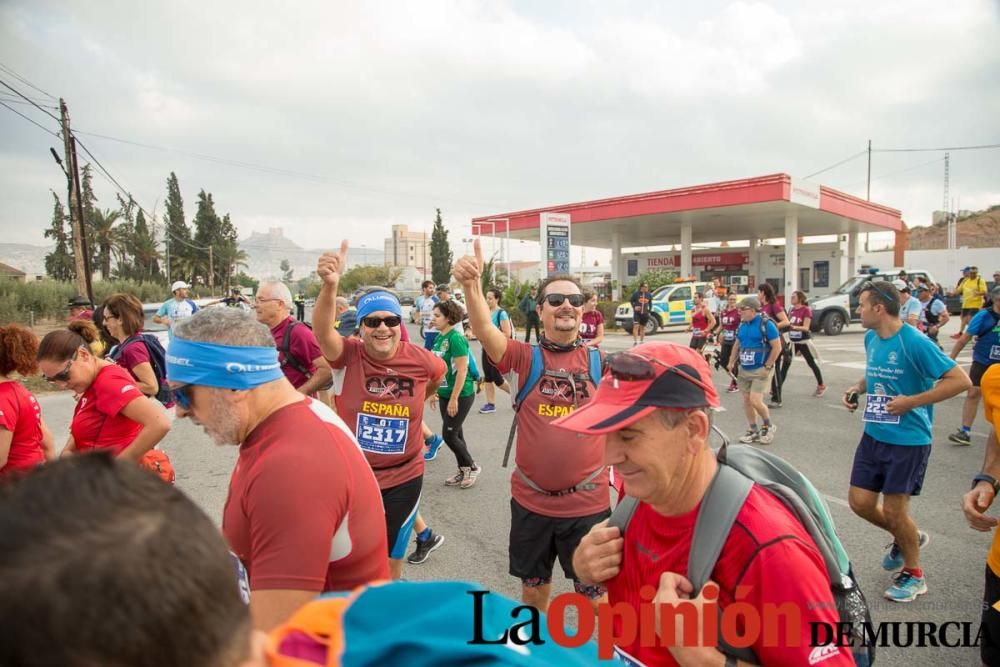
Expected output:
(374, 322)
(556, 300)
(631, 367)
(63, 375)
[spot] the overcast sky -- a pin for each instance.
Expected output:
(375, 113)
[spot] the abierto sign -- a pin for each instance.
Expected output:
(555, 242)
(804, 192)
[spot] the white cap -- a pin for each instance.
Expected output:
(180, 284)
(900, 284)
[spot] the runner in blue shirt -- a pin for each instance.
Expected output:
(985, 326)
(905, 375)
(756, 347)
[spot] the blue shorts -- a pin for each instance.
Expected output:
(889, 469)
(429, 339)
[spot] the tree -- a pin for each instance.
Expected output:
(176, 232)
(286, 270)
(145, 256)
(228, 255)
(386, 276)
(104, 238)
(89, 203)
(207, 234)
(59, 264)
(441, 256)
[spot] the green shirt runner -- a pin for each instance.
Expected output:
(449, 346)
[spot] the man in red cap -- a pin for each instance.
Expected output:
(655, 407)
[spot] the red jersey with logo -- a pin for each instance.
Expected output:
(554, 458)
(301, 344)
(768, 552)
(699, 323)
(730, 323)
(97, 420)
(383, 405)
(304, 511)
(22, 416)
(798, 317)
(589, 322)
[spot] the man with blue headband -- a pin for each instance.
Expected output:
(303, 513)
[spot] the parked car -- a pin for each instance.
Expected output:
(833, 312)
(672, 304)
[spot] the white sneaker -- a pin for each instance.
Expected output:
(767, 434)
(457, 478)
(471, 475)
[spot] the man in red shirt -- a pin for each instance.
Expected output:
(301, 359)
(560, 485)
(654, 408)
(304, 513)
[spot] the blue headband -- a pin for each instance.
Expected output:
(224, 366)
(376, 301)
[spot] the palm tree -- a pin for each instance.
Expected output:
(104, 237)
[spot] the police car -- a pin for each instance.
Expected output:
(672, 304)
(833, 312)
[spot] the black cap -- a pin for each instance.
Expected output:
(79, 301)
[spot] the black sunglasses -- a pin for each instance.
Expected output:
(63, 375)
(556, 300)
(375, 322)
(630, 367)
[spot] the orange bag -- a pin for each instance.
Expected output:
(157, 462)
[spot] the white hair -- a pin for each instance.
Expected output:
(225, 326)
(278, 290)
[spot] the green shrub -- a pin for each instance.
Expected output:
(47, 299)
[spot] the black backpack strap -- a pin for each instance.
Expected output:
(623, 513)
(288, 359)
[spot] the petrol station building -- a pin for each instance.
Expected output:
(748, 212)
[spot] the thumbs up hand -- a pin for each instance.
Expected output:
(468, 270)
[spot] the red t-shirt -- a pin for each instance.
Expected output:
(768, 551)
(302, 345)
(730, 323)
(22, 416)
(588, 324)
(798, 317)
(304, 511)
(554, 458)
(383, 404)
(97, 420)
(699, 323)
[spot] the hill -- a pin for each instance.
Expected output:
(266, 250)
(978, 230)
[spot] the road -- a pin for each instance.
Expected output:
(815, 434)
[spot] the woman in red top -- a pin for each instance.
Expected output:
(25, 442)
(702, 322)
(111, 413)
(770, 306)
(592, 321)
(729, 322)
(800, 317)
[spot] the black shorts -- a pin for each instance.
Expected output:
(491, 373)
(889, 469)
(976, 372)
(401, 504)
(969, 312)
(536, 541)
(642, 319)
(698, 342)
(989, 645)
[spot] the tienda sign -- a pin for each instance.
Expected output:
(719, 259)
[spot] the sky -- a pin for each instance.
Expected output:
(338, 120)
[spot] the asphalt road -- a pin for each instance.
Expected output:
(815, 434)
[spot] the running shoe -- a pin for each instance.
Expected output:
(893, 558)
(732, 388)
(767, 434)
(424, 548)
(960, 437)
(820, 390)
(471, 475)
(752, 435)
(487, 409)
(432, 446)
(775, 404)
(457, 478)
(906, 587)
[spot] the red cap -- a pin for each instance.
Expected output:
(649, 377)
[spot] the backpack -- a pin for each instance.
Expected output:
(289, 359)
(157, 359)
(741, 466)
(534, 377)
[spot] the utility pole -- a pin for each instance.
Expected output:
(80, 258)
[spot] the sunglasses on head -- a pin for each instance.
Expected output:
(63, 375)
(556, 300)
(872, 286)
(374, 322)
(631, 367)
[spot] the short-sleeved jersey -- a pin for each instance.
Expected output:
(753, 349)
(304, 511)
(22, 416)
(426, 309)
(910, 308)
(448, 346)
(97, 420)
(301, 344)
(589, 322)
(382, 403)
(499, 316)
(553, 458)
(177, 310)
(768, 555)
(904, 364)
(934, 307)
(990, 385)
(730, 319)
(970, 292)
(985, 326)
(798, 316)
(133, 354)
(772, 310)
(642, 302)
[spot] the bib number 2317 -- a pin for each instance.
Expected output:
(875, 409)
(381, 435)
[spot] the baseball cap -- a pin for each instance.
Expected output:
(79, 300)
(923, 288)
(965, 268)
(180, 284)
(901, 285)
(645, 378)
(443, 288)
(751, 302)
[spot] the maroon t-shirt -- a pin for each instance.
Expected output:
(22, 416)
(588, 324)
(302, 345)
(798, 317)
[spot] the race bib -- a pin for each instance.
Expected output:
(242, 580)
(875, 410)
(382, 435)
(747, 358)
(728, 334)
(995, 353)
(795, 335)
(696, 333)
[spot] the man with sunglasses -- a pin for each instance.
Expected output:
(654, 410)
(559, 487)
(386, 383)
(905, 375)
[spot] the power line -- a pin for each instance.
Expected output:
(834, 166)
(895, 173)
(34, 104)
(26, 82)
(7, 97)
(30, 120)
(929, 150)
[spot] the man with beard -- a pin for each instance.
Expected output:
(559, 487)
(304, 513)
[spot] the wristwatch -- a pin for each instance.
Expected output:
(983, 477)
